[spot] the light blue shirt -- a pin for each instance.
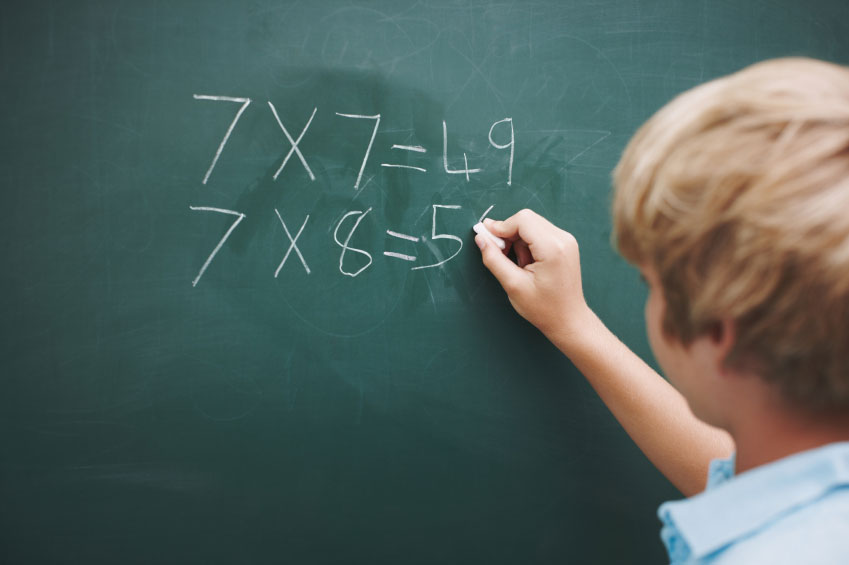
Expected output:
(795, 510)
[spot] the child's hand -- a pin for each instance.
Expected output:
(545, 286)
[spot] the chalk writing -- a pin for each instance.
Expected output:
(434, 235)
(416, 148)
(420, 169)
(401, 255)
(511, 145)
(465, 171)
(295, 149)
(402, 236)
(245, 103)
(376, 119)
(239, 218)
(485, 213)
(354, 261)
(345, 246)
(294, 143)
(293, 243)
(413, 148)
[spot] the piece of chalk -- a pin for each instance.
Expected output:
(481, 229)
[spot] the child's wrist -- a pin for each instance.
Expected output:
(576, 332)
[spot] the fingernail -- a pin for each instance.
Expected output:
(480, 241)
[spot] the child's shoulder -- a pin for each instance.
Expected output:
(795, 510)
(817, 532)
(803, 503)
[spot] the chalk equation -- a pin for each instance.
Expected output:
(351, 220)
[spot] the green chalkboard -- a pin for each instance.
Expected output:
(180, 383)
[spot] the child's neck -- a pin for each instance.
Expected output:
(767, 433)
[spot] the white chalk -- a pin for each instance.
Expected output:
(481, 229)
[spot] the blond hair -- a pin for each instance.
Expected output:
(737, 194)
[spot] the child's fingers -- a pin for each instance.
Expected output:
(524, 224)
(505, 271)
(527, 226)
(523, 254)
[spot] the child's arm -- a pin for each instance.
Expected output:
(545, 288)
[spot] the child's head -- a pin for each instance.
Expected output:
(736, 194)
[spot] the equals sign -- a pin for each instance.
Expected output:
(414, 148)
(401, 255)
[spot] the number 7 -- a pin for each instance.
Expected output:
(376, 119)
(245, 103)
(209, 259)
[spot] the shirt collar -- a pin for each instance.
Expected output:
(732, 508)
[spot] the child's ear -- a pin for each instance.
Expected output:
(723, 335)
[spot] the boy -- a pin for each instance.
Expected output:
(733, 201)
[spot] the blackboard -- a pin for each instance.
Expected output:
(172, 391)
